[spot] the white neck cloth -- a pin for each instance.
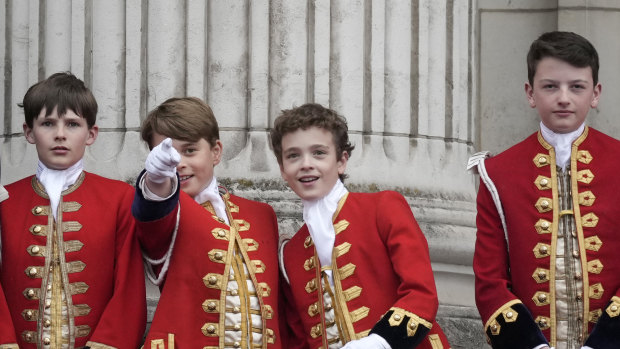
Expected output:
(318, 217)
(561, 142)
(55, 181)
(212, 194)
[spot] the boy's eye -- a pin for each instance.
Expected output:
(189, 151)
(292, 155)
(548, 86)
(46, 123)
(320, 152)
(73, 124)
(578, 86)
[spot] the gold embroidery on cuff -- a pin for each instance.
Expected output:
(613, 309)
(510, 315)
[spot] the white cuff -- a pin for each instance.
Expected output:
(149, 195)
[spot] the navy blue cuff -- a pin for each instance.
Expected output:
(401, 329)
(146, 210)
(514, 328)
(606, 333)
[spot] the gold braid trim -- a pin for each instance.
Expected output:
(95, 345)
(9, 346)
(500, 311)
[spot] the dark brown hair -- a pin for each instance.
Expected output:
(566, 46)
(306, 116)
(187, 118)
(63, 91)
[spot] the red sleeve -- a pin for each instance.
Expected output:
(123, 321)
(7, 331)
(417, 303)
(507, 322)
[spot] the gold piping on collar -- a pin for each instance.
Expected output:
(40, 189)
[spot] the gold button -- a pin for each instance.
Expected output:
(328, 306)
(30, 293)
(211, 306)
(614, 308)
(543, 250)
(37, 229)
(397, 317)
(542, 160)
(28, 337)
(236, 310)
(49, 287)
(579, 296)
(236, 344)
(38, 210)
(544, 204)
(494, 327)
(576, 254)
(542, 275)
(221, 233)
(544, 182)
(234, 292)
(211, 329)
(35, 249)
(412, 325)
(574, 233)
(231, 276)
(219, 255)
(47, 323)
(542, 297)
(29, 314)
(237, 327)
(212, 280)
(577, 276)
(509, 315)
(32, 271)
(542, 322)
(47, 341)
(545, 225)
(48, 303)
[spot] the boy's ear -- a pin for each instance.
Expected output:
(596, 95)
(529, 93)
(28, 134)
(93, 132)
(342, 162)
(216, 150)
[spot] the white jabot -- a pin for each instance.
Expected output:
(55, 181)
(212, 194)
(318, 217)
(561, 142)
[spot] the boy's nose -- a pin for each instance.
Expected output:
(306, 162)
(60, 132)
(563, 97)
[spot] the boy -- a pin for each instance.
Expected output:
(70, 264)
(214, 254)
(359, 273)
(546, 260)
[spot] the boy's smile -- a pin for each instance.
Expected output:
(309, 163)
(197, 161)
(60, 140)
(562, 94)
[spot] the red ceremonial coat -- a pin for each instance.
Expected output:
(7, 331)
(191, 309)
(101, 267)
(383, 281)
(515, 274)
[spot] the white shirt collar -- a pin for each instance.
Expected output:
(212, 194)
(561, 142)
(55, 181)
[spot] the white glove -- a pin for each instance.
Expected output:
(161, 163)
(373, 341)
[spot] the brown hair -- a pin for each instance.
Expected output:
(306, 116)
(569, 47)
(186, 118)
(63, 91)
